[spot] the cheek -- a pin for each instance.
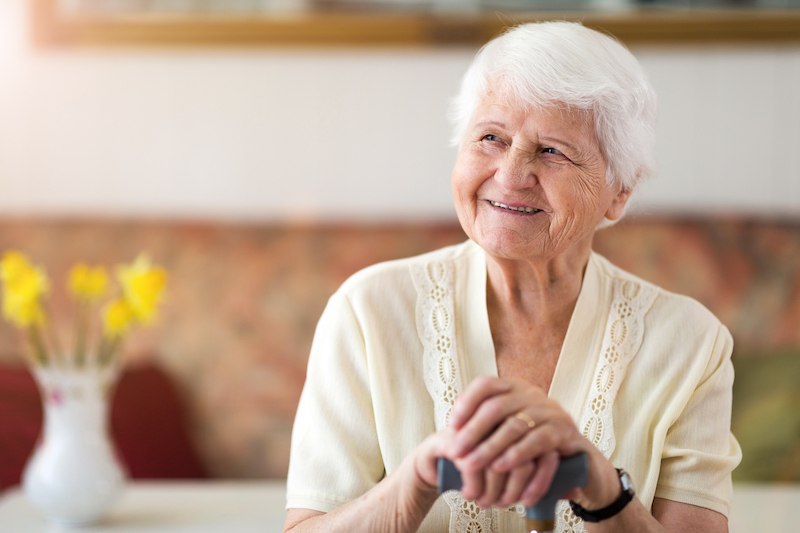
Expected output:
(588, 195)
(464, 181)
(581, 196)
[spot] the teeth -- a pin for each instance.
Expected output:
(520, 209)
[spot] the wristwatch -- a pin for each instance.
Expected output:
(607, 512)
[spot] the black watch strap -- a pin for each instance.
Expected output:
(615, 507)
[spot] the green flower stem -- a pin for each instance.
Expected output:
(39, 350)
(52, 339)
(81, 325)
(108, 348)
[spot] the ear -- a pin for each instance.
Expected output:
(617, 207)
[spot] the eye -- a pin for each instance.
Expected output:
(552, 151)
(491, 137)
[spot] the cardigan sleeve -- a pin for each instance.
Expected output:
(700, 452)
(335, 456)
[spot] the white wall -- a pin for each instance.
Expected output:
(729, 130)
(270, 134)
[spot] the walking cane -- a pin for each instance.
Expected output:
(572, 472)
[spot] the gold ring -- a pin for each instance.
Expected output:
(525, 418)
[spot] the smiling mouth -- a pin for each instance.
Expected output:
(517, 209)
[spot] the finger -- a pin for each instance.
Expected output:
(427, 453)
(472, 483)
(487, 419)
(509, 432)
(481, 388)
(541, 480)
(549, 434)
(493, 487)
(516, 481)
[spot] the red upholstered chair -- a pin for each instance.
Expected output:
(148, 423)
(20, 422)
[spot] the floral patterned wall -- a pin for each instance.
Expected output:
(243, 301)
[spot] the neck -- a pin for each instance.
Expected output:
(538, 287)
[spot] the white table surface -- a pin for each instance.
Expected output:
(768, 508)
(258, 507)
(169, 507)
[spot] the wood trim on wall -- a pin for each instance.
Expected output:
(49, 29)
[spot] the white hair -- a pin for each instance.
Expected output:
(550, 64)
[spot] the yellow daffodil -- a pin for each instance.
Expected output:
(13, 265)
(23, 287)
(23, 312)
(86, 282)
(142, 287)
(117, 318)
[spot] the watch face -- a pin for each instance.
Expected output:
(627, 484)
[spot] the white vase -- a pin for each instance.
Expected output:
(73, 476)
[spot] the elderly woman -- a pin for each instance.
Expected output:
(521, 345)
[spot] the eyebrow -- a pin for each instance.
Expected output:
(490, 122)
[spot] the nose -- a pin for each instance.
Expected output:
(516, 171)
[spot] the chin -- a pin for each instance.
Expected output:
(509, 246)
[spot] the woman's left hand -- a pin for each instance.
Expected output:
(509, 437)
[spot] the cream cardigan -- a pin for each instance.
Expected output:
(646, 374)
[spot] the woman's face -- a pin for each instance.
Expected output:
(531, 184)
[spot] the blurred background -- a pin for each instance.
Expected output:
(262, 151)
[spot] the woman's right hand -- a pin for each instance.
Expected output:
(398, 504)
(424, 457)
